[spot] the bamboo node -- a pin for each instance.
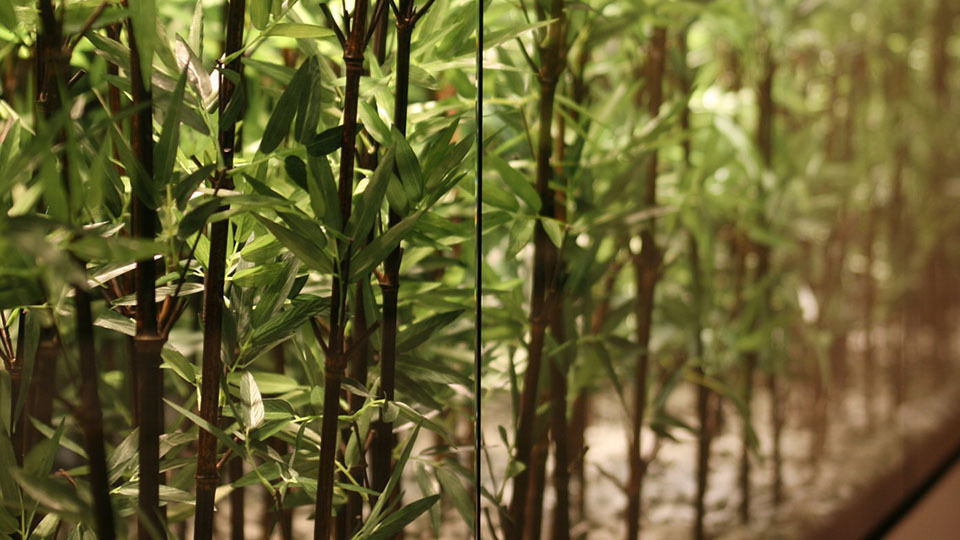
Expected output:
(207, 481)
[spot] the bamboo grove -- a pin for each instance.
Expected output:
(709, 226)
(210, 209)
(238, 283)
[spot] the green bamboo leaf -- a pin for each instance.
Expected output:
(411, 175)
(55, 495)
(325, 142)
(397, 197)
(40, 458)
(281, 327)
(323, 192)
(8, 18)
(396, 521)
(110, 49)
(117, 249)
(447, 165)
(177, 362)
(235, 107)
(304, 248)
(259, 13)
(296, 170)
(8, 486)
(299, 30)
(203, 424)
(374, 123)
(379, 507)
(123, 456)
(425, 484)
(554, 230)
(451, 485)
(373, 253)
(308, 112)
(195, 37)
(519, 184)
(499, 37)
(275, 383)
(47, 526)
(275, 290)
(422, 330)
(49, 432)
(195, 219)
(368, 206)
(278, 126)
(165, 151)
(111, 320)
(143, 14)
(187, 185)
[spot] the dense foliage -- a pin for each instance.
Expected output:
(224, 181)
(239, 257)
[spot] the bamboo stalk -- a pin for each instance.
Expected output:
(16, 379)
(147, 341)
(544, 273)
(765, 145)
(335, 362)
(237, 499)
(384, 440)
(646, 270)
(91, 418)
(207, 476)
(52, 75)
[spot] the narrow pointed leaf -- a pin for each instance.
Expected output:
(165, 151)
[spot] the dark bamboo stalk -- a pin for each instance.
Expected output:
(560, 528)
(91, 418)
(777, 420)
(147, 341)
(39, 400)
(533, 512)
(938, 287)
(16, 379)
(348, 520)
(383, 438)
(896, 93)
(765, 145)
(646, 270)
(237, 500)
(869, 303)
(207, 476)
(544, 269)
(335, 362)
(89, 414)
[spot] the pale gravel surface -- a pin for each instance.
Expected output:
(853, 456)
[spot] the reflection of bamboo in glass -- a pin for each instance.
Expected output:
(760, 279)
(646, 266)
(524, 518)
